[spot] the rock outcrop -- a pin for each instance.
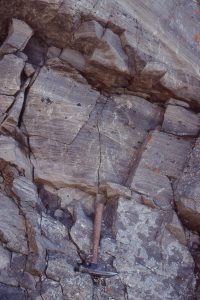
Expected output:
(99, 96)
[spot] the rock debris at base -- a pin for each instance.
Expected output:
(99, 95)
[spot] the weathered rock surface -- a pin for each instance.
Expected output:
(12, 229)
(187, 190)
(163, 159)
(180, 121)
(173, 45)
(11, 67)
(12, 153)
(104, 125)
(103, 97)
(152, 256)
(18, 36)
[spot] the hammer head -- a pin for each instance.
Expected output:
(94, 270)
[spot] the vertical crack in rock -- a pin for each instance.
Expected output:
(135, 162)
(100, 153)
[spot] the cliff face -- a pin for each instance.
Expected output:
(99, 96)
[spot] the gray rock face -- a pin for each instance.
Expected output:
(104, 126)
(180, 121)
(104, 97)
(157, 167)
(151, 256)
(187, 190)
(10, 71)
(18, 36)
(11, 153)
(12, 229)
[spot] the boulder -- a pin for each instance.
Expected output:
(188, 191)
(12, 226)
(88, 36)
(163, 159)
(11, 68)
(53, 52)
(29, 69)
(13, 154)
(74, 58)
(181, 121)
(18, 36)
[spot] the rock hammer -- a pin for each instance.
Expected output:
(92, 268)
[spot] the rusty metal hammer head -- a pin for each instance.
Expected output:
(94, 270)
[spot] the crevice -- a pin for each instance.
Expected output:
(99, 114)
(40, 288)
(79, 252)
(84, 124)
(196, 269)
(125, 290)
(47, 261)
(135, 161)
(182, 137)
(26, 92)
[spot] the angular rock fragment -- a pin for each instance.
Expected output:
(53, 52)
(114, 57)
(88, 36)
(12, 226)
(123, 126)
(177, 102)
(81, 231)
(11, 122)
(5, 271)
(11, 67)
(51, 290)
(57, 234)
(60, 106)
(188, 190)
(110, 58)
(114, 189)
(27, 193)
(140, 47)
(5, 103)
(182, 85)
(69, 196)
(13, 119)
(18, 272)
(18, 36)
(30, 204)
(181, 121)
(11, 153)
(49, 198)
(151, 74)
(74, 58)
(29, 69)
(155, 70)
(150, 254)
(163, 158)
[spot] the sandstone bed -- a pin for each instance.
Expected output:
(99, 96)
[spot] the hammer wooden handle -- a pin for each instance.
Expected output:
(99, 207)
